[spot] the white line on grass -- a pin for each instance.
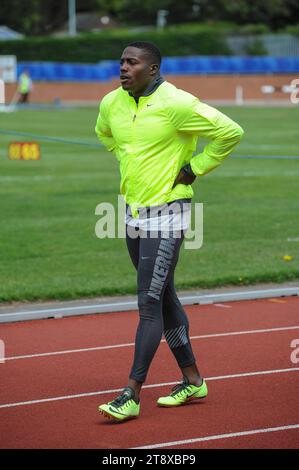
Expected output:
(103, 392)
(219, 436)
(125, 345)
(25, 178)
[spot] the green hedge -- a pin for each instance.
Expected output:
(91, 48)
(292, 29)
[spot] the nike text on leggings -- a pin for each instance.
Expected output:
(160, 310)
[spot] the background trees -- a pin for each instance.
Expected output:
(41, 17)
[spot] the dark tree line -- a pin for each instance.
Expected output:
(41, 17)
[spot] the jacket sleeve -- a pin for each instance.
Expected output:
(205, 121)
(102, 128)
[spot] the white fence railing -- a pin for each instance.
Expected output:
(273, 44)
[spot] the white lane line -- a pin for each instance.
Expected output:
(219, 436)
(69, 351)
(103, 392)
(246, 332)
(223, 305)
(125, 345)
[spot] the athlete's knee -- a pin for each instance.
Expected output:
(149, 307)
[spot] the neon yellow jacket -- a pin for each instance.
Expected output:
(25, 83)
(155, 139)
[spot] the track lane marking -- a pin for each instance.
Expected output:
(103, 392)
(219, 436)
(113, 346)
(223, 305)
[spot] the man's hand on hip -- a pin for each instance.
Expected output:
(185, 176)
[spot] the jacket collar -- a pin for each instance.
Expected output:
(152, 87)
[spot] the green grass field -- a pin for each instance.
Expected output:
(48, 247)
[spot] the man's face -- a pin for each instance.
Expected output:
(136, 73)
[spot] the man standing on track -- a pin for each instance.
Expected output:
(152, 128)
(25, 87)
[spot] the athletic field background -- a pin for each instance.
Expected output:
(48, 246)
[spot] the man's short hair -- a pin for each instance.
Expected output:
(151, 50)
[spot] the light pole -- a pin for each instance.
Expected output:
(72, 18)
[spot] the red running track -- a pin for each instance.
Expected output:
(57, 371)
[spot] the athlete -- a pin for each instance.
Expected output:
(24, 87)
(152, 128)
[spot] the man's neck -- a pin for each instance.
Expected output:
(150, 88)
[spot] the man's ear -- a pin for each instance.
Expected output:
(154, 69)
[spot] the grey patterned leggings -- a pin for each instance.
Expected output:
(160, 310)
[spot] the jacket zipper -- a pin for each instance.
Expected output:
(134, 144)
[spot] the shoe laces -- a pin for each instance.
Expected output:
(123, 398)
(181, 387)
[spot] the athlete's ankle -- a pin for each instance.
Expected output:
(197, 381)
(135, 387)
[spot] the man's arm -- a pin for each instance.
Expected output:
(103, 130)
(223, 133)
